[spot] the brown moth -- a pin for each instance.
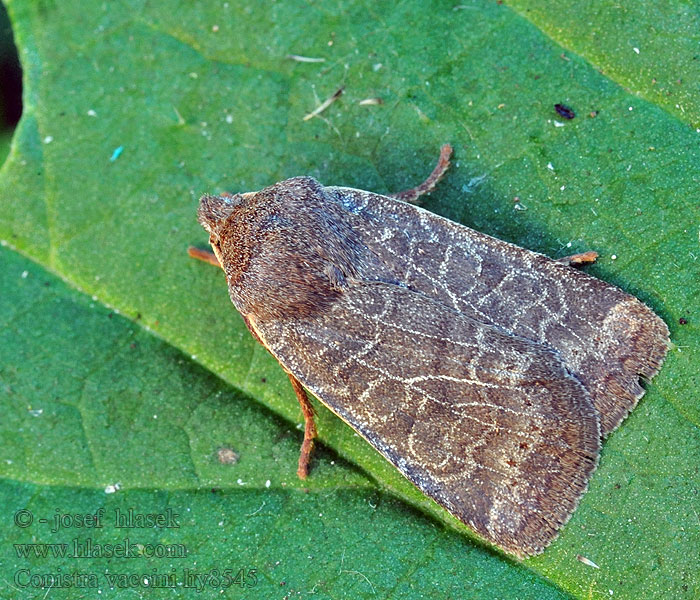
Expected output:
(486, 373)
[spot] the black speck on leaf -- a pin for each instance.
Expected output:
(564, 111)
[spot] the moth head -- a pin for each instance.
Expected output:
(214, 210)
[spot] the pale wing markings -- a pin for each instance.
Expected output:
(471, 381)
(495, 291)
(448, 404)
(453, 297)
(554, 317)
(488, 243)
(491, 426)
(311, 332)
(461, 299)
(411, 265)
(442, 269)
(368, 347)
(476, 344)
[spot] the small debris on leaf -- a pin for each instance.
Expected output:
(564, 111)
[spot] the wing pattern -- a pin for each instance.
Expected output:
(606, 337)
(490, 425)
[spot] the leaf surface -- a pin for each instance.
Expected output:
(133, 110)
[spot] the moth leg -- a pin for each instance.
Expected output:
(309, 427)
(413, 194)
(307, 408)
(576, 260)
(205, 255)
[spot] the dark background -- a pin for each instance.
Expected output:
(10, 78)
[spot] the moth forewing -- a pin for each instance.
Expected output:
(491, 426)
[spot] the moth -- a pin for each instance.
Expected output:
(487, 374)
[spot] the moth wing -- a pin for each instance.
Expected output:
(607, 338)
(490, 425)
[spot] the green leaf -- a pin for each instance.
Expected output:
(204, 99)
(5, 140)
